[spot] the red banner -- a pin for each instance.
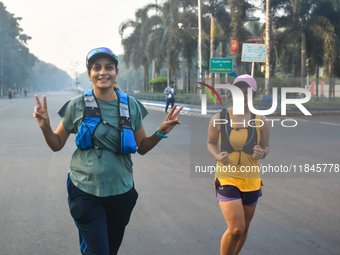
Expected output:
(233, 45)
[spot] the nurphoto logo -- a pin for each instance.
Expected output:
(238, 99)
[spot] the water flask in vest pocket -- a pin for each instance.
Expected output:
(85, 131)
(127, 142)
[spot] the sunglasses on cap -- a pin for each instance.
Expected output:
(101, 50)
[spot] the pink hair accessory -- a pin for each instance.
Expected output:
(247, 79)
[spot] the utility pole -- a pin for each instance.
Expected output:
(267, 73)
(75, 64)
(153, 61)
(303, 60)
(2, 70)
(203, 96)
(219, 76)
(212, 48)
(199, 41)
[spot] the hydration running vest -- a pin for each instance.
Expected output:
(92, 117)
(226, 143)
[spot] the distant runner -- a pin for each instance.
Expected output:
(170, 93)
(10, 93)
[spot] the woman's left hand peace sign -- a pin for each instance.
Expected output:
(170, 121)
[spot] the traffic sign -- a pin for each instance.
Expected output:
(221, 65)
(253, 52)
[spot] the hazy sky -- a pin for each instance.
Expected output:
(64, 31)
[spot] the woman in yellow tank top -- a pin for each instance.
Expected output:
(244, 139)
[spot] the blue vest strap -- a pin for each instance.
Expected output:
(92, 117)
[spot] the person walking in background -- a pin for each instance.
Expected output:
(241, 146)
(109, 127)
(9, 94)
(170, 93)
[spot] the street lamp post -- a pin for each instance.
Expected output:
(199, 41)
(267, 73)
(203, 96)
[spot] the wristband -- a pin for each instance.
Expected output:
(264, 154)
(160, 135)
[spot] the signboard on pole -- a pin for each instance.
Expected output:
(253, 52)
(221, 65)
(254, 39)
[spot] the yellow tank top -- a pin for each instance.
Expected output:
(243, 169)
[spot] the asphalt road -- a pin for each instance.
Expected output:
(176, 212)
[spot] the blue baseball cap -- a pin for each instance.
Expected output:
(103, 52)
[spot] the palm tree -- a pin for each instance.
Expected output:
(296, 22)
(163, 42)
(327, 27)
(217, 9)
(135, 44)
(238, 13)
(220, 20)
(188, 36)
(154, 47)
(171, 36)
(312, 22)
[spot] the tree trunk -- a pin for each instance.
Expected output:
(303, 59)
(212, 35)
(212, 48)
(294, 65)
(188, 78)
(330, 73)
(146, 78)
(153, 69)
(317, 80)
(168, 76)
(168, 67)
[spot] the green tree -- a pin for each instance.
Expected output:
(219, 16)
(315, 24)
(47, 77)
(156, 38)
(127, 80)
(170, 41)
(189, 38)
(15, 59)
(295, 16)
(239, 10)
(327, 27)
(19, 68)
(136, 43)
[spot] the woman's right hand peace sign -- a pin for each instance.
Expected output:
(41, 114)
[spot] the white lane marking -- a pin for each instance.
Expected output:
(329, 123)
(191, 110)
(319, 122)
